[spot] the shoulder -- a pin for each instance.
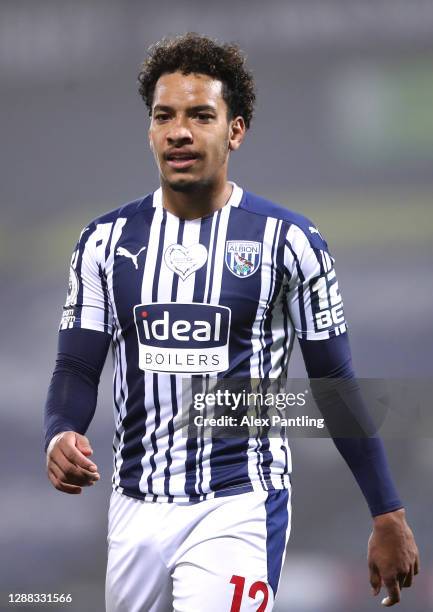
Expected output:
(99, 230)
(126, 211)
(298, 226)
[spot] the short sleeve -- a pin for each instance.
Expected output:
(313, 298)
(87, 303)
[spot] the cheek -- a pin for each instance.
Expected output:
(155, 140)
(224, 146)
(220, 145)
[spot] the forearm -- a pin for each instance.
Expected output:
(70, 405)
(73, 391)
(367, 460)
(349, 421)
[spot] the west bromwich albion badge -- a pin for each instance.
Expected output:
(243, 257)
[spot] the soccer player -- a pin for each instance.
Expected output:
(194, 283)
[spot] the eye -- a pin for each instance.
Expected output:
(205, 117)
(160, 117)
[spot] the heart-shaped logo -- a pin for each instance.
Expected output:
(185, 260)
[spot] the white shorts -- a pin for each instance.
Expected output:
(221, 554)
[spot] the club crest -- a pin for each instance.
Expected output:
(185, 260)
(243, 257)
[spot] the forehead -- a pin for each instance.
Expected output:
(180, 90)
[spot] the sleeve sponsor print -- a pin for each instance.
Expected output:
(326, 302)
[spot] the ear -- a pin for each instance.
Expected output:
(237, 133)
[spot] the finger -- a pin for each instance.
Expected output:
(67, 488)
(83, 445)
(64, 473)
(56, 479)
(54, 469)
(72, 474)
(417, 565)
(63, 486)
(70, 469)
(76, 457)
(407, 579)
(67, 480)
(375, 580)
(401, 579)
(393, 589)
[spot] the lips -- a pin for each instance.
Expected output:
(181, 159)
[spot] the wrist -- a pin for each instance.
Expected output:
(53, 441)
(389, 518)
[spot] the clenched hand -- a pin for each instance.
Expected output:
(68, 466)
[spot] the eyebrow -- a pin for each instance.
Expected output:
(197, 108)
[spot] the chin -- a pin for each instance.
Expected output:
(184, 184)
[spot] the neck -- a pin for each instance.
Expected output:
(196, 203)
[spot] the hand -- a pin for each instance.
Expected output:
(393, 557)
(68, 465)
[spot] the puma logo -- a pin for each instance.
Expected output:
(314, 230)
(125, 253)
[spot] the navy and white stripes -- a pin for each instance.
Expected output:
(276, 282)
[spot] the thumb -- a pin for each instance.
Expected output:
(375, 580)
(83, 445)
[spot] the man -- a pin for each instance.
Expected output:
(198, 282)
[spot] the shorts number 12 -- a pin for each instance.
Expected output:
(256, 587)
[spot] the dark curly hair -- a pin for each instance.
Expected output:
(193, 52)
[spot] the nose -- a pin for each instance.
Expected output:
(179, 133)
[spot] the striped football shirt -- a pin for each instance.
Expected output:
(189, 301)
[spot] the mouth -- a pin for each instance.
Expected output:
(181, 160)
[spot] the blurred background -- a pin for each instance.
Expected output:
(343, 133)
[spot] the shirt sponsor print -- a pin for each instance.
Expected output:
(183, 338)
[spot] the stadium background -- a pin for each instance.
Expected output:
(343, 133)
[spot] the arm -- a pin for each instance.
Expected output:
(70, 407)
(316, 310)
(392, 552)
(364, 454)
(84, 337)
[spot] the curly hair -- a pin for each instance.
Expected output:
(195, 53)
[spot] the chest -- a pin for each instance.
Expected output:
(189, 268)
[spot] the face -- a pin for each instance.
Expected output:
(190, 133)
